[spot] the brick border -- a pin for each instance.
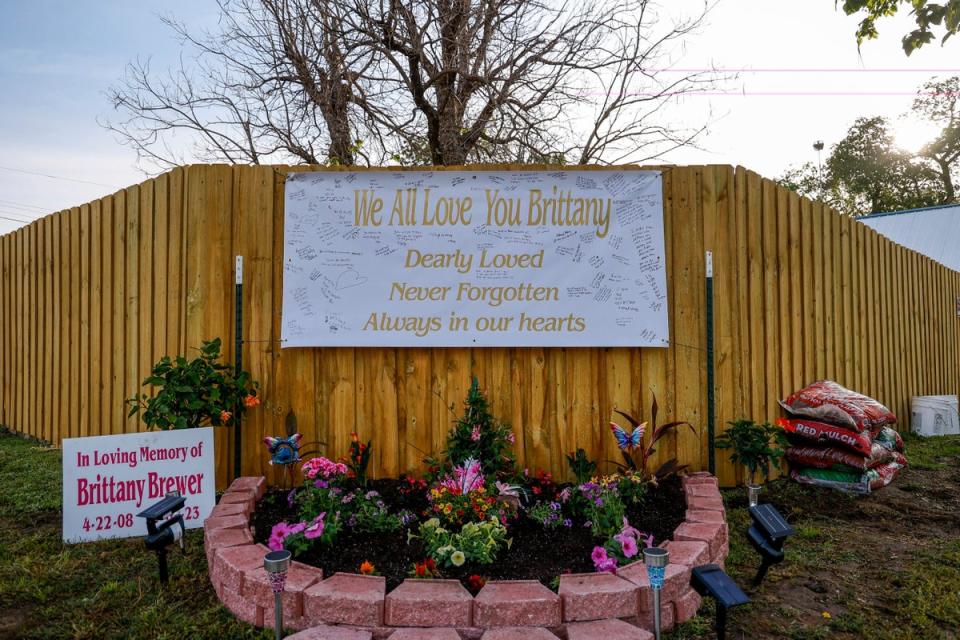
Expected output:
(350, 605)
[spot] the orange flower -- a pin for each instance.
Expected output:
(225, 416)
(251, 401)
(367, 568)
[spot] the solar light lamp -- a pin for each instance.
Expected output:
(276, 564)
(656, 559)
(164, 527)
(753, 494)
(767, 535)
(710, 581)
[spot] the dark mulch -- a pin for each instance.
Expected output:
(535, 554)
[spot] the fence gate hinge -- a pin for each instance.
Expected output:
(709, 264)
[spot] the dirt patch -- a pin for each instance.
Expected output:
(857, 563)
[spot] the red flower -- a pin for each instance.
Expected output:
(431, 564)
(421, 570)
(251, 401)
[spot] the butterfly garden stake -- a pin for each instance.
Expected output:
(284, 452)
(630, 441)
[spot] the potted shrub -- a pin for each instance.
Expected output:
(193, 393)
(756, 447)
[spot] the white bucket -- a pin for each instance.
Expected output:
(935, 416)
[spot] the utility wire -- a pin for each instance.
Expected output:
(15, 220)
(47, 175)
(22, 205)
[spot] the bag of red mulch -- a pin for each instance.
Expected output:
(827, 457)
(848, 481)
(826, 401)
(888, 438)
(805, 432)
(882, 475)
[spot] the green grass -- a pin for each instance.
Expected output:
(110, 589)
(932, 453)
(97, 590)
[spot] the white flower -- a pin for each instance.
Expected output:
(457, 558)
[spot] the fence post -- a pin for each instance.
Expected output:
(238, 359)
(711, 401)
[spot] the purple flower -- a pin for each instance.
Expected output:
(291, 496)
(565, 494)
(352, 520)
(321, 484)
(568, 523)
(348, 498)
(315, 529)
(371, 494)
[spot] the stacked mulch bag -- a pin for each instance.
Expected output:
(841, 439)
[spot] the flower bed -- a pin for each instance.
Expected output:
(344, 605)
(441, 540)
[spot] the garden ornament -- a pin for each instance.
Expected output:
(276, 564)
(656, 559)
(284, 452)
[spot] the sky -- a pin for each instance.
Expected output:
(799, 78)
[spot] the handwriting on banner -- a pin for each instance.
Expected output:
(474, 258)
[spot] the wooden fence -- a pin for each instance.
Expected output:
(90, 297)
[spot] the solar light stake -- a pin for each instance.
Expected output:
(276, 564)
(753, 494)
(656, 560)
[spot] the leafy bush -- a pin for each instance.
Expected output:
(581, 466)
(195, 392)
(480, 436)
(550, 515)
(755, 446)
(601, 506)
(476, 542)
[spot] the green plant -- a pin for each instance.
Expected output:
(358, 459)
(582, 467)
(476, 542)
(195, 392)
(480, 436)
(635, 442)
(755, 446)
(601, 505)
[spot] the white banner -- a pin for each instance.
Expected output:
(108, 480)
(474, 258)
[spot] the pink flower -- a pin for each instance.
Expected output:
(323, 467)
(629, 546)
(599, 555)
(609, 565)
(315, 528)
(280, 532)
(511, 438)
(475, 434)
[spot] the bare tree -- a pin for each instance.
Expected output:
(419, 81)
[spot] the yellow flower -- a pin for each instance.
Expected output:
(448, 508)
(826, 615)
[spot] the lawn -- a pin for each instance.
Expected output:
(884, 566)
